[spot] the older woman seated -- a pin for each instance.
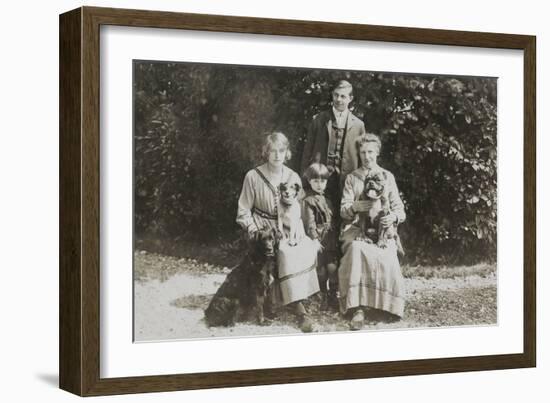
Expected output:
(369, 274)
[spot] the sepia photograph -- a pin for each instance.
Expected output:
(273, 200)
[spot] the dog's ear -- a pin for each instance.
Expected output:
(278, 235)
(296, 187)
(282, 186)
(257, 236)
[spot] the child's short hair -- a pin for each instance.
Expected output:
(368, 138)
(316, 171)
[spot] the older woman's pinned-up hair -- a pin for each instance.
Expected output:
(274, 140)
(368, 138)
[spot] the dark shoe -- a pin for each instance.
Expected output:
(358, 320)
(392, 318)
(333, 302)
(270, 315)
(380, 316)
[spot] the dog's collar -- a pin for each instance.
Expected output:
(286, 204)
(375, 198)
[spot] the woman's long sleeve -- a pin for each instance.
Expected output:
(310, 226)
(246, 203)
(396, 204)
(348, 197)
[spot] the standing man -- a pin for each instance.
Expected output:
(331, 141)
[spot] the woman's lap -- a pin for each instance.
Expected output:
(371, 276)
(297, 271)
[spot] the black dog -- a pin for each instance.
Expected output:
(245, 289)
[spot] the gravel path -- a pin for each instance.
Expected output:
(171, 295)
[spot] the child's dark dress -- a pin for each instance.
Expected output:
(317, 214)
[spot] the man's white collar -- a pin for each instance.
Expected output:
(339, 114)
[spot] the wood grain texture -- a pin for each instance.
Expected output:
(530, 202)
(316, 29)
(80, 201)
(90, 203)
(70, 274)
(304, 374)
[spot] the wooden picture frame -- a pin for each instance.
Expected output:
(79, 346)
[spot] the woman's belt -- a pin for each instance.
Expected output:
(264, 214)
(289, 276)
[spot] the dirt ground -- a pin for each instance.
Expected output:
(170, 295)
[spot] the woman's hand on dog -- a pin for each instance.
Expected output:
(360, 206)
(388, 220)
(318, 245)
(253, 234)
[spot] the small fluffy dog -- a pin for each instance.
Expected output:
(371, 229)
(290, 213)
(244, 291)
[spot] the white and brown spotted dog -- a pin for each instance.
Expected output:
(290, 213)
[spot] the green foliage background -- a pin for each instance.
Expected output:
(198, 128)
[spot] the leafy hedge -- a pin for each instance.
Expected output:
(199, 128)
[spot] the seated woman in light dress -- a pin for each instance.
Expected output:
(258, 209)
(369, 276)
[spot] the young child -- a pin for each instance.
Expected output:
(318, 218)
